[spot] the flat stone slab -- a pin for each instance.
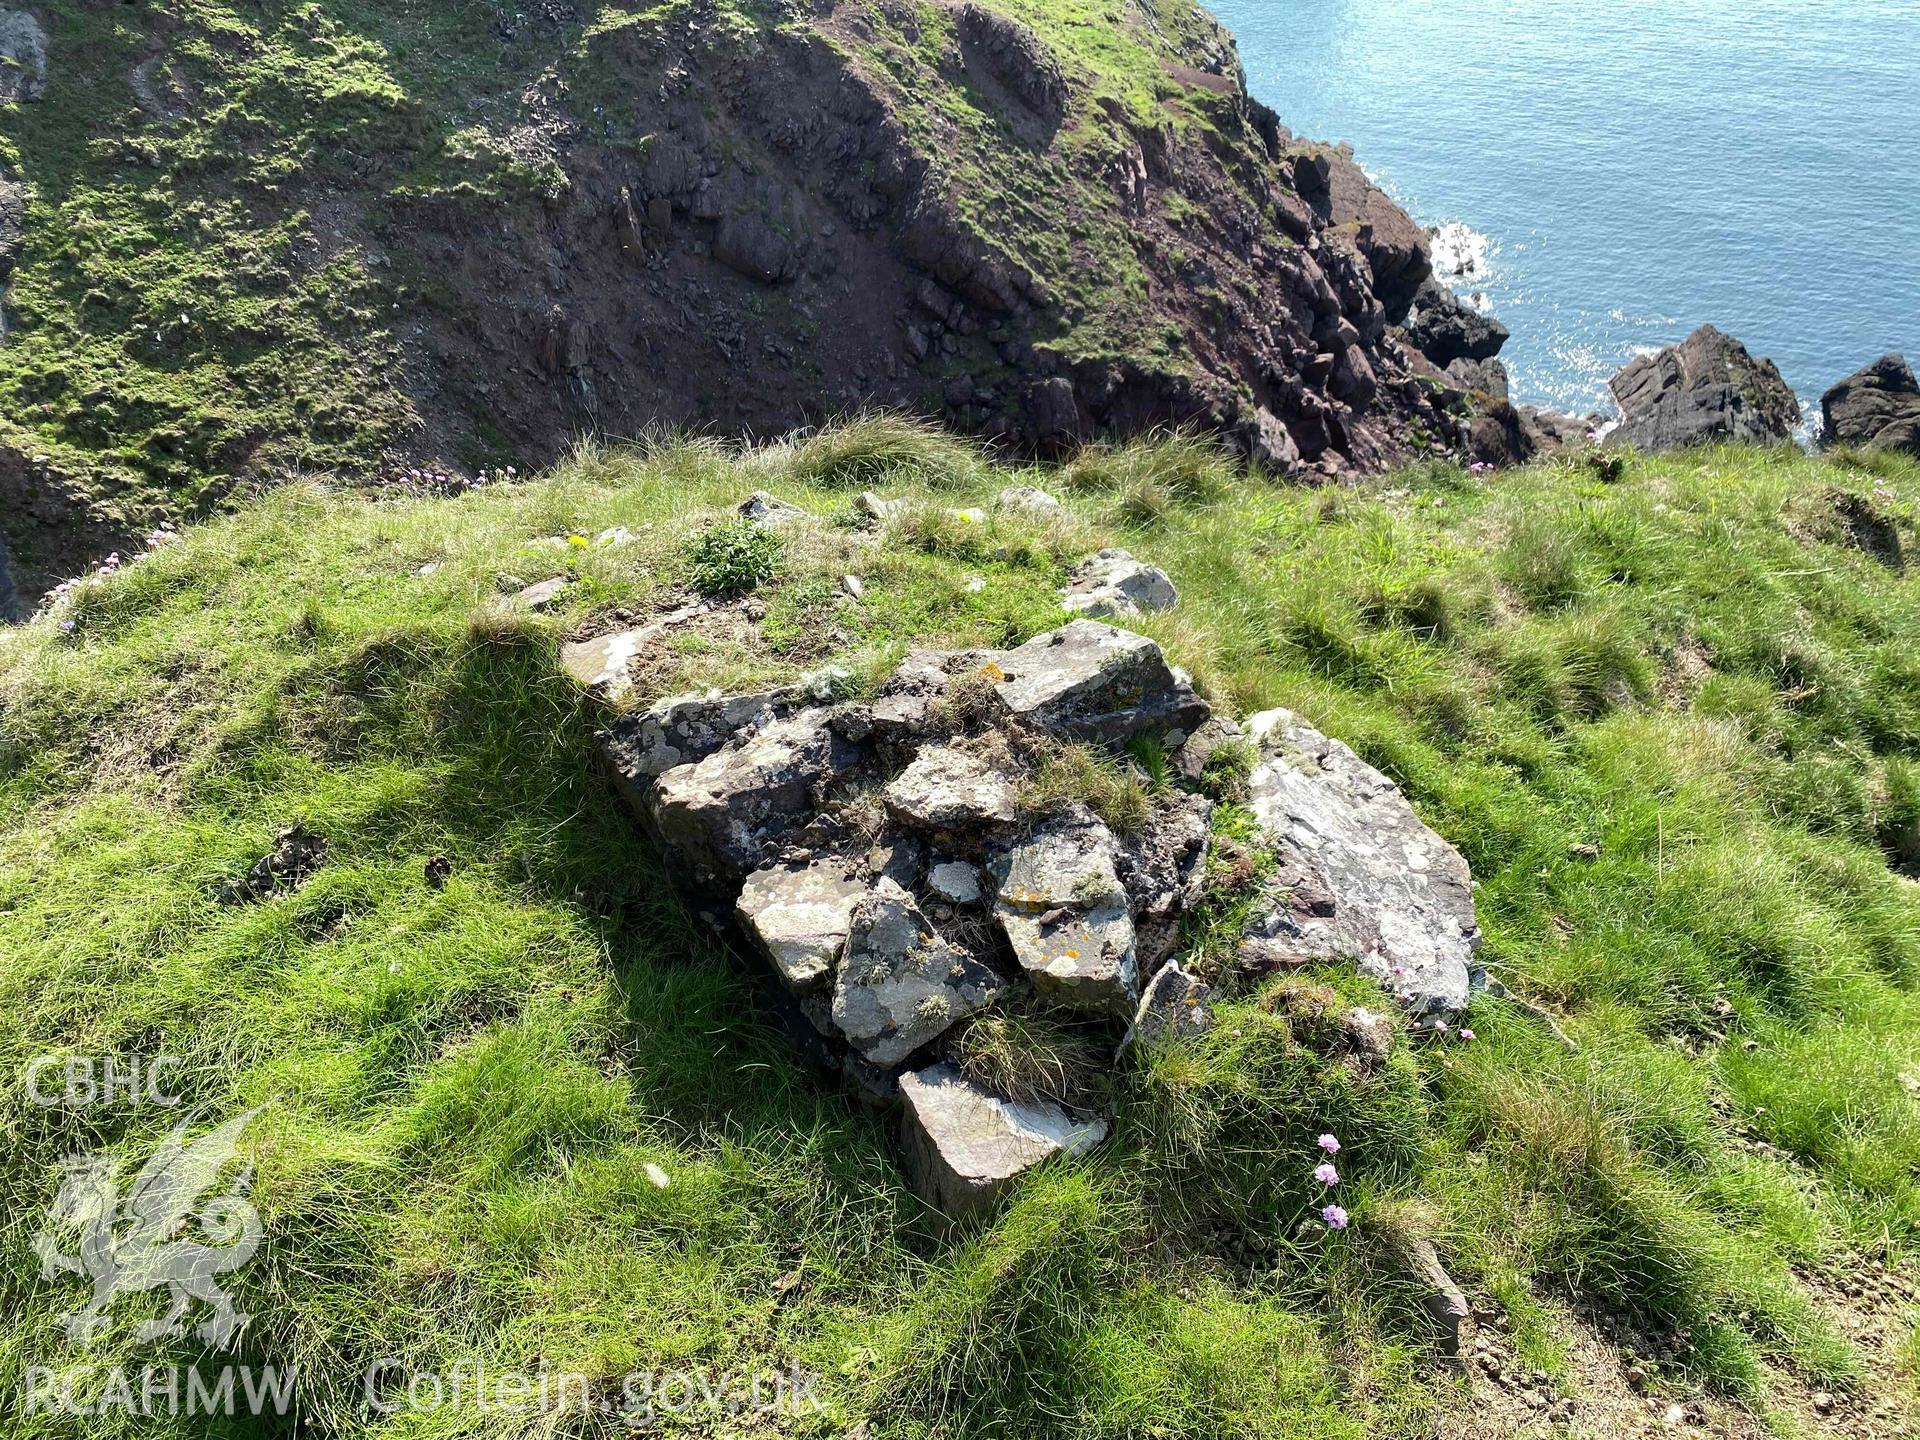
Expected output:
(1097, 683)
(1371, 883)
(799, 916)
(948, 790)
(604, 664)
(1064, 912)
(964, 1145)
(901, 985)
(770, 510)
(1114, 583)
(541, 595)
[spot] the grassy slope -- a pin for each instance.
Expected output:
(203, 289)
(1685, 669)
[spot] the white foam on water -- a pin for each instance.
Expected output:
(1460, 252)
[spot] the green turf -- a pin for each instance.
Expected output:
(1690, 671)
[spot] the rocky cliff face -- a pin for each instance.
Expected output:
(350, 238)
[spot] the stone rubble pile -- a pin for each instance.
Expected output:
(886, 860)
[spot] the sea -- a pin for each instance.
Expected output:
(1608, 175)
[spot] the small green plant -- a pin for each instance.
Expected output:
(732, 558)
(1150, 754)
(1225, 772)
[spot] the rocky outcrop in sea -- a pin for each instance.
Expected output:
(1708, 387)
(1875, 408)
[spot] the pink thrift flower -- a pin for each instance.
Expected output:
(1466, 1035)
(1329, 1144)
(1326, 1175)
(1335, 1217)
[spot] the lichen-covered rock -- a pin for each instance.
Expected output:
(1061, 905)
(1162, 867)
(799, 915)
(681, 730)
(1028, 497)
(1875, 408)
(1708, 387)
(964, 1145)
(770, 510)
(901, 985)
(955, 881)
(1381, 889)
(1093, 682)
(946, 790)
(1114, 583)
(1173, 1006)
(724, 815)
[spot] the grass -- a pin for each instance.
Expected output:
(1029, 1052)
(1060, 776)
(1672, 720)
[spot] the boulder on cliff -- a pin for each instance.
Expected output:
(1706, 388)
(1875, 408)
(1395, 248)
(1361, 877)
(1446, 328)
